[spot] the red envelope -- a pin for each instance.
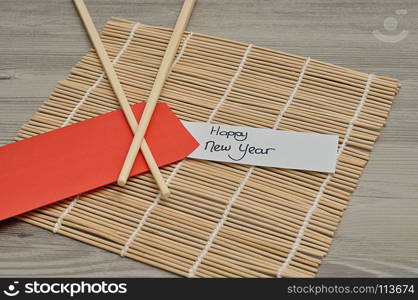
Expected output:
(78, 158)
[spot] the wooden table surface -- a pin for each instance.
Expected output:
(41, 40)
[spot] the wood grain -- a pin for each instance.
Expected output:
(41, 40)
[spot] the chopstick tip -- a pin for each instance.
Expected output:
(165, 195)
(121, 182)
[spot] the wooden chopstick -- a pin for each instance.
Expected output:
(120, 94)
(162, 74)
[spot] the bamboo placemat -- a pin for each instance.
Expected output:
(222, 220)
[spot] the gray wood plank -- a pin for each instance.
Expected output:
(41, 40)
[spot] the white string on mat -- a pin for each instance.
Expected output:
(102, 76)
(293, 94)
(77, 107)
(357, 112)
(324, 184)
(181, 52)
(83, 99)
(173, 173)
(146, 214)
(231, 83)
(64, 213)
(195, 266)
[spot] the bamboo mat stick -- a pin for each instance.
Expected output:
(162, 74)
(120, 94)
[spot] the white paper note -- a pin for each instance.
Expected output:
(264, 147)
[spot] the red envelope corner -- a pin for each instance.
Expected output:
(81, 157)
